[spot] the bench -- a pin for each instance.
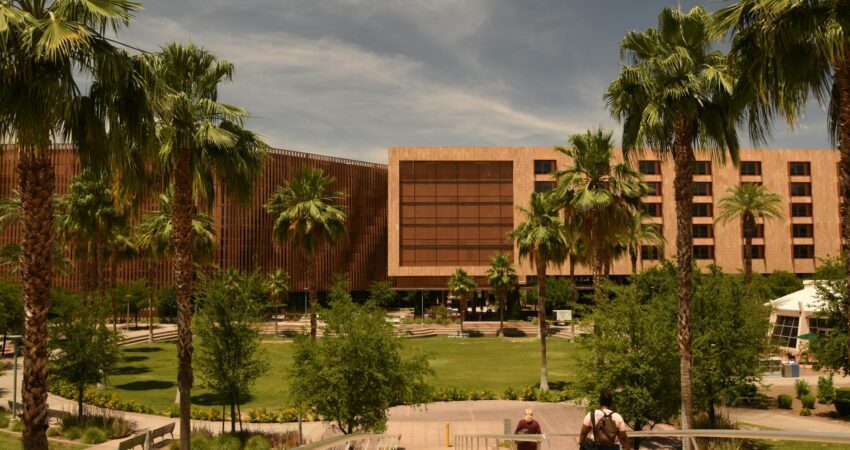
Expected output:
(162, 431)
(135, 441)
(459, 335)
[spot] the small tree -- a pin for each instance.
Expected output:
(357, 370)
(228, 356)
(461, 286)
(381, 293)
(502, 278)
(560, 294)
(84, 349)
(276, 286)
(830, 349)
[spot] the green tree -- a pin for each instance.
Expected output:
(340, 288)
(358, 370)
(560, 294)
(542, 239)
(674, 97)
(308, 214)
(830, 349)
(749, 203)
(202, 144)
(462, 287)
(229, 356)
(11, 310)
(502, 278)
(598, 196)
(638, 232)
(789, 52)
(62, 78)
(276, 285)
(381, 293)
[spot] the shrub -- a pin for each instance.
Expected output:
(93, 435)
(784, 401)
(510, 394)
(842, 401)
(826, 390)
(54, 431)
(72, 433)
(4, 419)
(166, 304)
(801, 387)
(808, 401)
(113, 425)
(257, 443)
(806, 412)
(16, 426)
(98, 398)
(227, 442)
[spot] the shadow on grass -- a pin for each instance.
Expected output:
(209, 399)
(135, 358)
(145, 385)
(129, 370)
(142, 349)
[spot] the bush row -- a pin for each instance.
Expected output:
(253, 415)
(528, 393)
(98, 398)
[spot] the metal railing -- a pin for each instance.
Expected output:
(495, 441)
(356, 442)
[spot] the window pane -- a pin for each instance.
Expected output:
(654, 188)
(750, 168)
(649, 252)
(653, 209)
(702, 209)
(544, 186)
(785, 331)
(544, 166)
(702, 188)
(799, 168)
(803, 230)
(801, 189)
(703, 252)
(702, 168)
(647, 167)
(804, 251)
(703, 230)
(801, 210)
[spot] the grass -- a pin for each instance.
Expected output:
(149, 372)
(794, 445)
(11, 442)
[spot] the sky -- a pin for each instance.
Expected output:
(351, 78)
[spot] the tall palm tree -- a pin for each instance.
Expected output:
(787, 52)
(639, 233)
(747, 203)
(598, 196)
(201, 142)
(10, 253)
(277, 286)
(675, 97)
(461, 286)
(154, 241)
(502, 278)
(309, 214)
(122, 247)
(543, 240)
(49, 52)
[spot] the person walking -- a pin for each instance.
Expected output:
(608, 428)
(527, 425)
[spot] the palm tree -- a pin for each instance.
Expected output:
(788, 51)
(747, 203)
(201, 142)
(122, 247)
(543, 240)
(461, 286)
(675, 96)
(10, 253)
(639, 233)
(502, 278)
(52, 51)
(277, 286)
(598, 196)
(308, 214)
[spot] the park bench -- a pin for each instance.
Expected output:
(135, 441)
(162, 431)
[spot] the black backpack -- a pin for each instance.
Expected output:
(607, 427)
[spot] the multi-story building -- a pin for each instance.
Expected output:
(452, 207)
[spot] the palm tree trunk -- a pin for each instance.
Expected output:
(113, 283)
(573, 268)
(37, 184)
(502, 303)
(462, 311)
(842, 80)
(749, 232)
(598, 273)
(541, 321)
(313, 289)
(182, 211)
(149, 273)
(101, 278)
(633, 254)
(683, 159)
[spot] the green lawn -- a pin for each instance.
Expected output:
(11, 442)
(149, 372)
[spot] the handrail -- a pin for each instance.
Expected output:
(337, 440)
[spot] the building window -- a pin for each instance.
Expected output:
(648, 167)
(703, 252)
(800, 168)
(758, 251)
(759, 231)
(751, 183)
(701, 188)
(653, 209)
(804, 251)
(703, 209)
(801, 189)
(654, 188)
(544, 186)
(702, 168)
(750, 168)
(801, 210)
(819, 325)
(802, 230)
(785, 331)
(544, 166)
(650, 253)
(703, 230)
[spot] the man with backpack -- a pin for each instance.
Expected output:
(608, 427)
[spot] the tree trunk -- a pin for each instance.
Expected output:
(81, 392)
(462, 311)
(541, 321)
(313, 289)
(232, 415)
(749, 232)
(181, 217)
(101, 279)
(842, 80)
(573, 269)
(633, 255)
(113, 283)
(683, 159)
(149, 273)
(502, 303)
(598, 273)
(37, 184)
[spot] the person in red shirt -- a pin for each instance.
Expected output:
(527, 426)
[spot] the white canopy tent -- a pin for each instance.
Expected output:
(796, 314)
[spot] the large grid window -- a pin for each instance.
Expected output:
(703, 230)
(544, 186)
(799, 168)
(703, 209)
(702, 168)
(702, 188)
(653, 209)
(801, 189)
(819, 325)
(785, 331)
(750, 168)
(805, 251)
(801, 210)
(544, 166)
(649, 167)
(650, 253)
(758, 251)
(703, 252)
(803, 230)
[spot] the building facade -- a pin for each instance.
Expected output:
(244, 231)
(452, 207)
